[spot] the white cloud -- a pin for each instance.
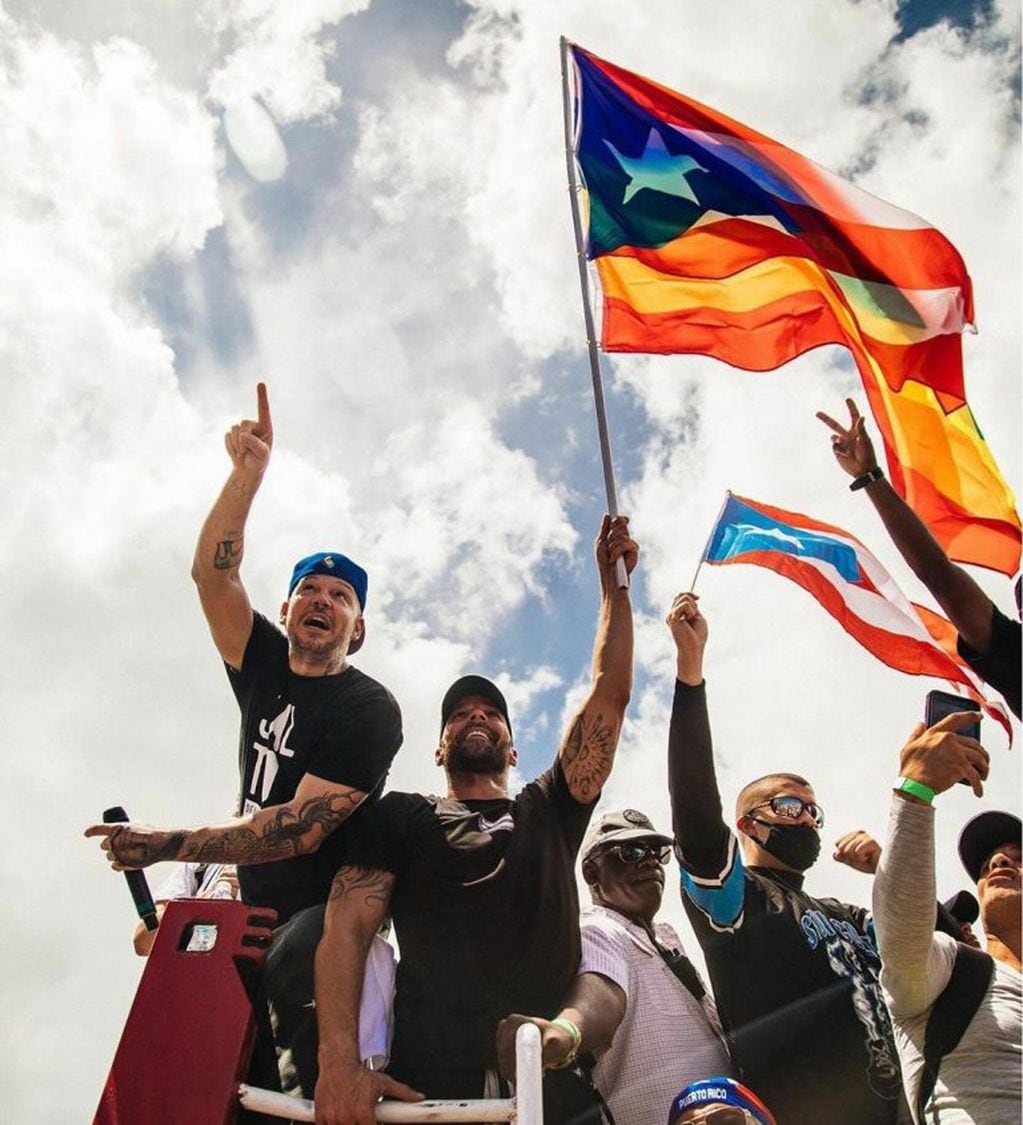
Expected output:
(399, 293)
(280, 52)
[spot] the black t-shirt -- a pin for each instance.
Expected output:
(344, 728)
(486, 915)
(1000, 665)
(796, 984)
(795, 978)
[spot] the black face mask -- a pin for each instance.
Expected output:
(796, 845)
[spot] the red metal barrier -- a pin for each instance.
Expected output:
(188, 1038)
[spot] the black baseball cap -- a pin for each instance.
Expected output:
(472, 685)
(982, 835)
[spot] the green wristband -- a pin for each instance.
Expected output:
(917, 788)
(577, 1038)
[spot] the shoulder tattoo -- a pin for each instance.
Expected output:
(368, 886)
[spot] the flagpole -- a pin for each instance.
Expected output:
(591, 336)
(706, 546)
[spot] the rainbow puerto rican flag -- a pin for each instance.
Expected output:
(710, 238)
(851, 585)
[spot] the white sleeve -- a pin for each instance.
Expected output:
(916, 962)
(180, 883)
(375, 1008)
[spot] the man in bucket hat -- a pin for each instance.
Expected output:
(480, 885)
(317, 735)
(638, 1016)
(955, 1009)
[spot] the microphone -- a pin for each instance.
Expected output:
(137, 884)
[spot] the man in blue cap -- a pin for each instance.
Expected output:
(317, 735)
(718, 1101)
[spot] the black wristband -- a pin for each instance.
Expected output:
(871, 475)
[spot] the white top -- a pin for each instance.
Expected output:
(979, 1082)
(376, 1020)
(193, 880)
(667, 1038)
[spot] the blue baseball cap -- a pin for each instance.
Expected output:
(334, 565)
(720, 1091)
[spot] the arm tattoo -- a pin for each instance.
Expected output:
(370, 884)
(140, 850)
(588, 754)
(284, 835)
(228, 554)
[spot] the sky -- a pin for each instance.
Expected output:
(365, 205)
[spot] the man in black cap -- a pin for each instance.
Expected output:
(956, 1010)
(317, 735)
(480, 886)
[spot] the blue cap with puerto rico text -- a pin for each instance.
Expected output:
(720, 1091)
(334, 565)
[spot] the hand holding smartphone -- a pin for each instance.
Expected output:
(942, 703)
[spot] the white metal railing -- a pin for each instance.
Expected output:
(525, 1108)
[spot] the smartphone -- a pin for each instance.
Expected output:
(942, 703)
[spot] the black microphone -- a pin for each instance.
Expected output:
(137, 884)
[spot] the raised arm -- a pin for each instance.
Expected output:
(279, 832)
(588, 748)
(916, 967)
(346, 1091)
(696, 816)
(965, 603)
(594, 1006)
(218, 553)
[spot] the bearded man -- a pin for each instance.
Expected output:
(480, 886)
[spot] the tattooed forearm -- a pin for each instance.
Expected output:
(228, 554)
(588, 754)
(275, 833)
(371, 886)
(140, 848)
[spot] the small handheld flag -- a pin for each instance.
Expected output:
(848, 581)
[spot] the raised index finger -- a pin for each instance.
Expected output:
(263, 408)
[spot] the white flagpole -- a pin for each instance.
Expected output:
(706, 546)
(591, 336)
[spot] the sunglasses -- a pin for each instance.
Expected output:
(639, 851)
(716, 1115)
(792, 808)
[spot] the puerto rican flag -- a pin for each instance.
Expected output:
(851, 585)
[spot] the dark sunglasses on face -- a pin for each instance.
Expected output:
(639, 851)
(792, 808)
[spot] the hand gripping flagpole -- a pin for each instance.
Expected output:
(591, 336)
